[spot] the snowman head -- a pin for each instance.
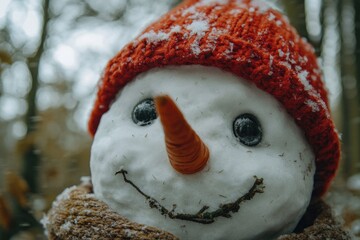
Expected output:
(255, 112)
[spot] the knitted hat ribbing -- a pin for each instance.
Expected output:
(248, 39)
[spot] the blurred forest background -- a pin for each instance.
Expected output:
(52, 54)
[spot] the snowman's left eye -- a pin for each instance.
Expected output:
(144, 113)
(247, 129)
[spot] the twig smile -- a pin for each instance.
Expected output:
(202, 216)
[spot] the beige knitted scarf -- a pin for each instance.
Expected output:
(78, 214)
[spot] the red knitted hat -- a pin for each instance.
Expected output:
(248, 39)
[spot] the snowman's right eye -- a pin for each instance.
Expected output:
(144, 113)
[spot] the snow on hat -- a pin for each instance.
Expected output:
(248, 38)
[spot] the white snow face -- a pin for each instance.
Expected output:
(210, 100)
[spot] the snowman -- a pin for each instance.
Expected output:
(214, 124)
(207, 160)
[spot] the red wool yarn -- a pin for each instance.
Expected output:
(249, 39)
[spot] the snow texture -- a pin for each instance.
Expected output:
(64, 195)
(155, 37)
(314, 106)
(229, 50)
(283, 158)
(281, 53)
(271, 17)
(44, 221)
(199, 29)
(303, 76)
(85, 180)
(263, 5)
(66, 226)
(271, 60)
(208, 2)
(213, 37)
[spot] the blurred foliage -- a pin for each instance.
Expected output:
(18, 188)
(5, 215)
(51, 55)
(5, 57)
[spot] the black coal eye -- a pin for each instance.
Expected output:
(144, 113)
(247, 129)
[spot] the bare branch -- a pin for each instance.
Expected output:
(202, 216)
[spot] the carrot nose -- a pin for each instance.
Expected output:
(186, 151)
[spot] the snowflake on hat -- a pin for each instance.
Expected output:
(214, 124)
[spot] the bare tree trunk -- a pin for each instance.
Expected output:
(350, 72)
(356, 120)
(295, 10)
(31, 158)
